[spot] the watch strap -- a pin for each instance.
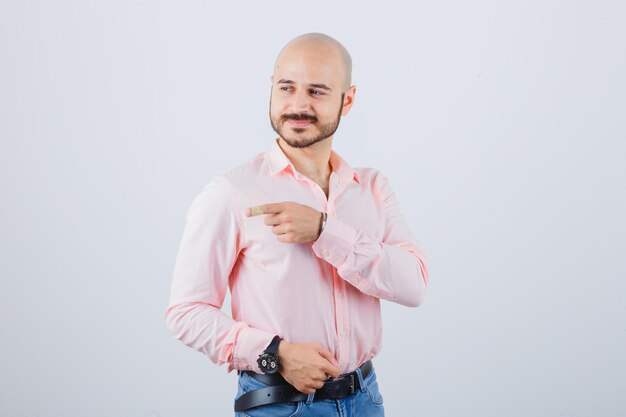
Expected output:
(272, 348)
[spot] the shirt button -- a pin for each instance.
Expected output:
(326, 254)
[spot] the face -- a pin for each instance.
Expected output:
(307, 100)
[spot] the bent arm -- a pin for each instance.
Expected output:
(391, 268)
(209, 248)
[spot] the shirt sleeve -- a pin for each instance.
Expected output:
(211, 242)
(392, 268)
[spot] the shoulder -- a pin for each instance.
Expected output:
(222, 183)
(371, 176)
(221, 192)
(375, 183)
(245, 172)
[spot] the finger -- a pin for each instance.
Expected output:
(304, 387)
(314, 382)
(318, 384)
(325, 353)
(272, 208)
(323, 376)
(271, 220)
(254, 211)
(331, 370)
(307, 390)
(285, 238)
(280, 229)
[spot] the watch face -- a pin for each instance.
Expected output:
(268, 363)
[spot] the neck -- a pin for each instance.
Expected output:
(312, 161)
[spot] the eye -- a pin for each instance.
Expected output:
(316, 92)
(286, 88)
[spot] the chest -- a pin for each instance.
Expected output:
(352, 203)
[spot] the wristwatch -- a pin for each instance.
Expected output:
(268, 360)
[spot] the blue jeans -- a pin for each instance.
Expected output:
(366, 402)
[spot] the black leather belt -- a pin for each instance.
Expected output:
(280, 390)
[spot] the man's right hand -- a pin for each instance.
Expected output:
(306, 365)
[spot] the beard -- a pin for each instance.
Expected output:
(292, 135)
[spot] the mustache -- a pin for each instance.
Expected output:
(298, 116)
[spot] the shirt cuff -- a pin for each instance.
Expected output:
(336, 242)
(250, 344)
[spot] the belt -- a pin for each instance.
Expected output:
(279, 390)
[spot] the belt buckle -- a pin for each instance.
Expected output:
(342, 387)
(352, 387)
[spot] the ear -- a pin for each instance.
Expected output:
(348, 100)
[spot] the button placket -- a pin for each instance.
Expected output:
(342, 321)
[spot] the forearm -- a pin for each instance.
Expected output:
(395, 272)
(206, 329)
(209, 248)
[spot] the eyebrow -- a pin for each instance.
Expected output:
(320, 86)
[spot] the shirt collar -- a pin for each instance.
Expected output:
(278, 162)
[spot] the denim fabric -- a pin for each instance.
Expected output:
(366, 402)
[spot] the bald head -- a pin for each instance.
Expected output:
(312, 48)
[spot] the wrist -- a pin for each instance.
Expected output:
(282, 348)
(273, 346)
(268, 361)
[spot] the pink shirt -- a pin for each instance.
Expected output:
(325, 292)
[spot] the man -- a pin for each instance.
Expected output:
(307, 246)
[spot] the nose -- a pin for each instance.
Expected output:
(301, 102)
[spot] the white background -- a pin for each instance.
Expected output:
(501, 126)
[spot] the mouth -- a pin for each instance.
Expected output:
(299, 123)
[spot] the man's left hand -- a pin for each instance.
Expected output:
(291, 222)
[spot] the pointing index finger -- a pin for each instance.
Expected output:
(254, 211)
(263, 209)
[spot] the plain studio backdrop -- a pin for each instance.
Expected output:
(501, 126)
